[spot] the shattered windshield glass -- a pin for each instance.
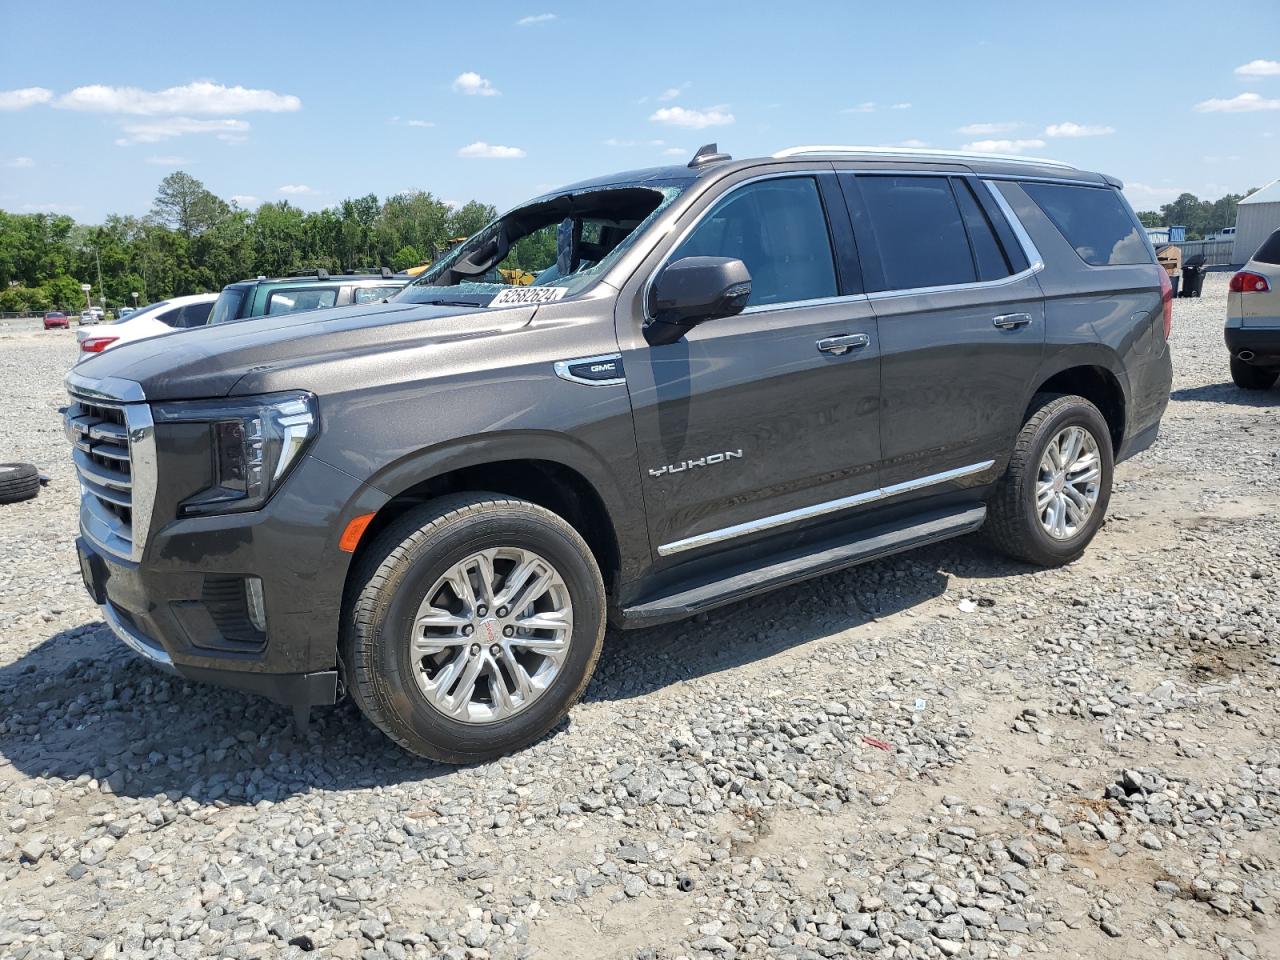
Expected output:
(563, 243)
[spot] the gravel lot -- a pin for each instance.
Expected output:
(941, 754)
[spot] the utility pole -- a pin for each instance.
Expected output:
(102, 293)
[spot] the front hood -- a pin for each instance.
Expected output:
(218, 360)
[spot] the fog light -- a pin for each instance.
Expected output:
(256, 604)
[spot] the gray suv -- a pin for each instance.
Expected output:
(629, 400)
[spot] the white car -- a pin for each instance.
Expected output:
(153, 320)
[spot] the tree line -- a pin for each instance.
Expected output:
(1200, 217)
(193, 241)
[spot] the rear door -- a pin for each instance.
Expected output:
(961, 322)
(758, 423)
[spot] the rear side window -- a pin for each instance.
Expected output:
(779, 230)
(292, 301)
(988, 255)
(191, 315)
(920, 234)
(1094, 220)
(374, 294)
(1269, 252)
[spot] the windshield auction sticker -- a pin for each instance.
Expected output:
(525, 296)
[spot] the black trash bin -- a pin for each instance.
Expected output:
(1193, 276)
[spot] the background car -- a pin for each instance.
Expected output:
(56, 319)
(154, 320)
(306, 291)
(122, 312)
(1253, 319)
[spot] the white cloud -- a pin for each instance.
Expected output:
(693, 119)
(167, 161)
(618, 142)
(672, 93)
(1143, 196)
(490, 151)
(675, 152)
(901, 106)
(26, 97)
(153, 131)
(867, 106)
(295, 189)
(419, 123)
(1241, 103)
(474, 85)
(1259, 68)
(1003, 146)
(21, 163)
(1069, 129)
(244, 200)
(536, 19)
(987, 129)
(913, 143)
(199, 97)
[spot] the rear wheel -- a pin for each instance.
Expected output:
(472, 626)
(1249, 377)
(1054, 494)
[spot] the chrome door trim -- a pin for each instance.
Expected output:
(819, 509)
(1035, 261)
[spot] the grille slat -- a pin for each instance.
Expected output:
(99, 434)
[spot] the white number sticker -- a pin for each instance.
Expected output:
(525, 296)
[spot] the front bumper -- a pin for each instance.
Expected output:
(170, 606)
(1262, 342)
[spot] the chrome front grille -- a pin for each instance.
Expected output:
(113, 449)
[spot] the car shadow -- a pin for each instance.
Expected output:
(80, 705)
(1228, 393)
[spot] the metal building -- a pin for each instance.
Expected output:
(1257, 216)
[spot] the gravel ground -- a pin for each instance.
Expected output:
(941, 754)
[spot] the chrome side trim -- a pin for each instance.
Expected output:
(113, 389)
(819, 509)
(564, 373)
(1024, 239)
(135, 641)
(950, 287)
(834, 150)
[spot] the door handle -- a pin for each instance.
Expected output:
(844, 343)
(1011, 321)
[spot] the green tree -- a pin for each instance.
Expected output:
(183, 203)
(405, 257)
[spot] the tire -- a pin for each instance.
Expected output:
(1014, 524)
(1249, 377)
(401, 570)
(18, 481)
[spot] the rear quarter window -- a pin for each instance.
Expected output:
(1269, 252)
(1094, 220)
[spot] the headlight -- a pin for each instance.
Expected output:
(255, 440)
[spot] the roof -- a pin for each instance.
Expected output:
(1268, 194)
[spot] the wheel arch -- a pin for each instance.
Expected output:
(1095, 375)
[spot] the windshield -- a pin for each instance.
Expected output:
(563, 243)
(227, 306)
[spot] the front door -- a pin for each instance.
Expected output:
(758, 423)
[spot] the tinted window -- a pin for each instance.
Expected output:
(987, 252)
(192, 315)
(1094, 220)
(778, 229)
(292, 301)
(1269, 252)
(374, 294)
(227, 306)
(919, 232)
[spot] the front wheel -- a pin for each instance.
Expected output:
(472, 626)
(1248, 377)
(1054, 493)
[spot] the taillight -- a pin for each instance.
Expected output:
(1166, 296)
(1247, 282)
(96, 344)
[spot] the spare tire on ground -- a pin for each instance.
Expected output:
(18, 481)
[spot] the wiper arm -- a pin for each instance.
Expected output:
(452, 303)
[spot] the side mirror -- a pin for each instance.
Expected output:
(693, 290)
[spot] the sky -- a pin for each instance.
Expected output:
(314, 102)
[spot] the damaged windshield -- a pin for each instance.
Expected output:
(558, 246)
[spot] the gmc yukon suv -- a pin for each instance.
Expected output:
(723, 378)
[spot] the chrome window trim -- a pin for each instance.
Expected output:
(1035, 261)
(819, 509)
(564, 373)
(802, 171)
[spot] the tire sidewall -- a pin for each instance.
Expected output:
(1080, 413)
(425, 565)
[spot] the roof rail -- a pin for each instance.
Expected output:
(827, 150)
(383, 272)
(320, 273)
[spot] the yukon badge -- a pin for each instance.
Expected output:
(709, 460)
